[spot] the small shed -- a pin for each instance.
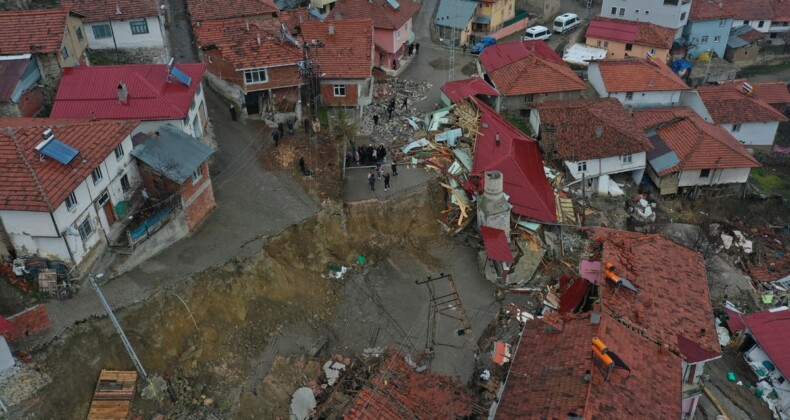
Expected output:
(173, 162)
(743, 45)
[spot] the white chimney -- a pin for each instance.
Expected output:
(259, 39)
(331, 29)
(598, 132)
(45, 135)
(117, 9)
(494, 184)
(247, 23)
(123, 93)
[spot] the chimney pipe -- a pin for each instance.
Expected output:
(259, 39)
(45, 135)
(123, 93)
(497, 138)
(247, 23)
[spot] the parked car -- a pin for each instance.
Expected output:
(537, 33)
(485, 42)
(566, 22)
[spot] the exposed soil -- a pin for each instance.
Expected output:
(235, 309)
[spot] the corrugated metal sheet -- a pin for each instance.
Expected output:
(10, 74)
(771, 330)
(624, 31)
(455, 13)
(174, 153)
(496, 244)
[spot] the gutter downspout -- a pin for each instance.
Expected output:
(57, 229)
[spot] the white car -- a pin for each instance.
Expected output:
(566, 22)
(537, 33)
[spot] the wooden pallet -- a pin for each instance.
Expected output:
(113, 396)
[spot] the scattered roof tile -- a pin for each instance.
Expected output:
(459, 90)
(728, 104)
(640, 33)
(91, 92)
(528, 67)
(708, 10)
(384, 16)
(348, 50)
(32, 31)
(771, 330)
(590, 129)
(697, 143)
(33, 184)
(397, 391)
(638, 75)
(104, 10)
(773, 93)
(673, 297)
(749, 9)
(518, 157)
(204, 10)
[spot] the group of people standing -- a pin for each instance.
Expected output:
(370, 155)
(381, 174)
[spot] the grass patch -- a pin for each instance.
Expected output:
(520, 125)
(770, 183)
(323, 116)
(765, 69)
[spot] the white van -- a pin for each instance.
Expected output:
(566, 22)
(537, 33)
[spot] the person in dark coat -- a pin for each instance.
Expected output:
(375, 120)
(382, 154)
(301, 164)
(276, 137)
(386, 181)
(233, 113)
(306, 125)
(405, 103)
(379, 170)
(290, 127)
(417, 48)
(372, 181)
(281, 129)
(389, 111)
(394, 168)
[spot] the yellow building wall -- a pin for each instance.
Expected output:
(616, 49)
(72, 43)
(499, 12)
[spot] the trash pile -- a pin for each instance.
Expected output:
(762, 251)
(642, 210)
(391, 94)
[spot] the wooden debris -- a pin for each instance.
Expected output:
(113, 396)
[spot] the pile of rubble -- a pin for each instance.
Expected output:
(762, 252)
(392, 93)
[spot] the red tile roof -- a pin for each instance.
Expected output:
(204, 10)
(528, 67)
(697, 143)
(32, 31)
(673, 297)
(104, 10)
(771, 330)
(638, 75)
(639, 33)
(380, 11)
(735, 321)
(781, 10)
(10, 73)
(727, 104)
(32, 184)
(91, 92)
(348, 53)
(241, 47)
(749, 9)
(570, 129)
(708, 10)
(751, 36)
(774, 93)
(545, 380)
(496, 244)
(518, 158)
(397, 392)
(459, 90)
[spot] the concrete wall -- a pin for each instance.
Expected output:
(616, 49)
(595, 80)
(648, 99)
(757, 134)
(545, 10)
(762, 25)
(695, 31)
(743, 57)
(49, 65)
(174, 230)
(653, 11)
(608, 166)
(691, 99)
(691, 178)
(124, 39)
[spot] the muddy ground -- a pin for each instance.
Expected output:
(214, 345)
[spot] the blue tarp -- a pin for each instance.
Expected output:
(151, 222)
(415, 144)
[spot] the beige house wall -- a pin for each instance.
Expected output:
(616, 49)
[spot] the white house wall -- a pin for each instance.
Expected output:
(691, 178)
(28, 223)
(595, 80)
(691, 99)
(123, 35)
(648, 99)
(754, 24)
(670, 16)
(755, 134)
(608, 166)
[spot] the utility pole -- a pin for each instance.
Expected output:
(310, 70)
(137, 364)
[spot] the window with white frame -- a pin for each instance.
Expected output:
(622, 11)
(71, 201)
(96, 175)
(139, 27)
(339, 90)
(258, 75)
(581, 167)
(717, 38)
(629, 96)
(626, 158)
(197, 174)
(119, 152)
(102, 30)
(86, 229)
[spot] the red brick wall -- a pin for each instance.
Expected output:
(32, 320)
(151, 178)
(279, 77)
(197, 208)
(224, 69)
(329, 98)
